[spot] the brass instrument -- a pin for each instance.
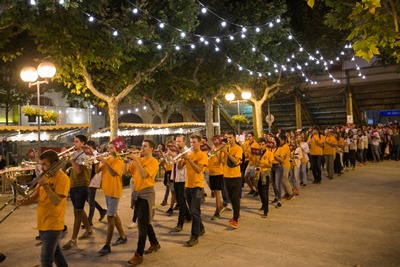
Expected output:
(168, 158)
(179, 156)
(214, 152)
(27, 191)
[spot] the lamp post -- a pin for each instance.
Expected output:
(246, 95)
(45, 70)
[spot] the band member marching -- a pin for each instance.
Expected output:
(111, 183)
(80, 177)
(216, 177)
(144, 170)
(194, 185)
(263, 169)
(52, 202)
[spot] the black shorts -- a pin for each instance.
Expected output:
(78, 197)
(216, 182)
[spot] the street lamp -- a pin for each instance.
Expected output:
(246, 95)
(45, 70)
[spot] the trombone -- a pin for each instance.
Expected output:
(214, 152)
(27, 191)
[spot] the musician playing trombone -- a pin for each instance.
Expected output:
(111, 183)
(52, 202)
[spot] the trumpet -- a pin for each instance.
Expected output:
(214, 152)
(169, 159)
(179, 156)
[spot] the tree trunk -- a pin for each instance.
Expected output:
(113, 116)
(258, 119)
(7, 110)
(209, 111)
(164, 117)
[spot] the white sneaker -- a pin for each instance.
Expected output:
(228, 207)
(132, 225)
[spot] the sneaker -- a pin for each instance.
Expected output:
(290, 197)
(228, 207)
(105, 250)
(164, 203)
(37, 238)
(177, 228)
(216, 216)
(278, 205)
(103, 213)
(135, 260)
(221, 209)
(192, 241)
(152, 248)
(234, 224)
(264, 215)
(202, 232)
(170, 212)
(176, 207)
(2, 257)
(274, 201)
(69, 245)
(84, 227)
(256, 194)
(120, 241)
(86, 235)
(251, 192)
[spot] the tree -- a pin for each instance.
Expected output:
(97, 52)
(373, 26)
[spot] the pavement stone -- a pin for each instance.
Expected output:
(352, 220)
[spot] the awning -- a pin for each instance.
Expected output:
(138, 129)
(47, 132)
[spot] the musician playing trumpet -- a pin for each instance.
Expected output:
(216, 172)
(52, 202)
(111, 184)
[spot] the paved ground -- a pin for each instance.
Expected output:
(352, 220)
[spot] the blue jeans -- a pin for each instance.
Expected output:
(51, 251)
(276, 179)
(193, 198)
(303, 172)
(92, 203)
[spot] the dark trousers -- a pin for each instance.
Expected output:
(92, 203)
(194, 197)
(184, 212)
(315, 161)
(233, 186)
(352, 157)
(144, 227)
(346, 159)
(337, 165)
(51, 251)
(263, 189)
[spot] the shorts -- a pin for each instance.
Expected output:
(250, 171)
(206, 176)
(216, 182)
(112, 206)
(78, 197)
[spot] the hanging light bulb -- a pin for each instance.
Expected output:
(231, 37)
(251, 73)
(201, 39)
(290, 37)
(183, 34)
(216, 48)
(301, 49)
(229, 60)
(244, 29)
(259, 74)
(278, 20)
(206, 42)
(140, 42)
(135, 10)
(243, 35)
(217, 40)
(91, 19)
(204, 10)
(223, 23)
(161, 25)
(61, 2)
(177, 47)
(240, 68)
(266, 59)
(159, 47)
(254, 49)
(115, 33)
(271, 25)
(258, 29)
(192, 46)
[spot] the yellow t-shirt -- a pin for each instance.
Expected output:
(112, 185)
(50, 217)
(252, 158)
(285, 156)
(151, 166)
(276, 152)
(234, 172)
(168, 167)
(194, 179)
(314, 148)
(330, 150)
(246, 155)
(266, 160)
(215, 165)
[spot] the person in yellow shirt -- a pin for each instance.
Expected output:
(283, 159)
(249, 174)
(51, 195)
(316, 143)
(144, 170)
(111, 183)
(329, 151)
(194, 185)
(232, 175)
(264, 164)
(216, 178)
(338, 164)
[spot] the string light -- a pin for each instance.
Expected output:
(204, 10)
(161, 25)
(135, 10)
